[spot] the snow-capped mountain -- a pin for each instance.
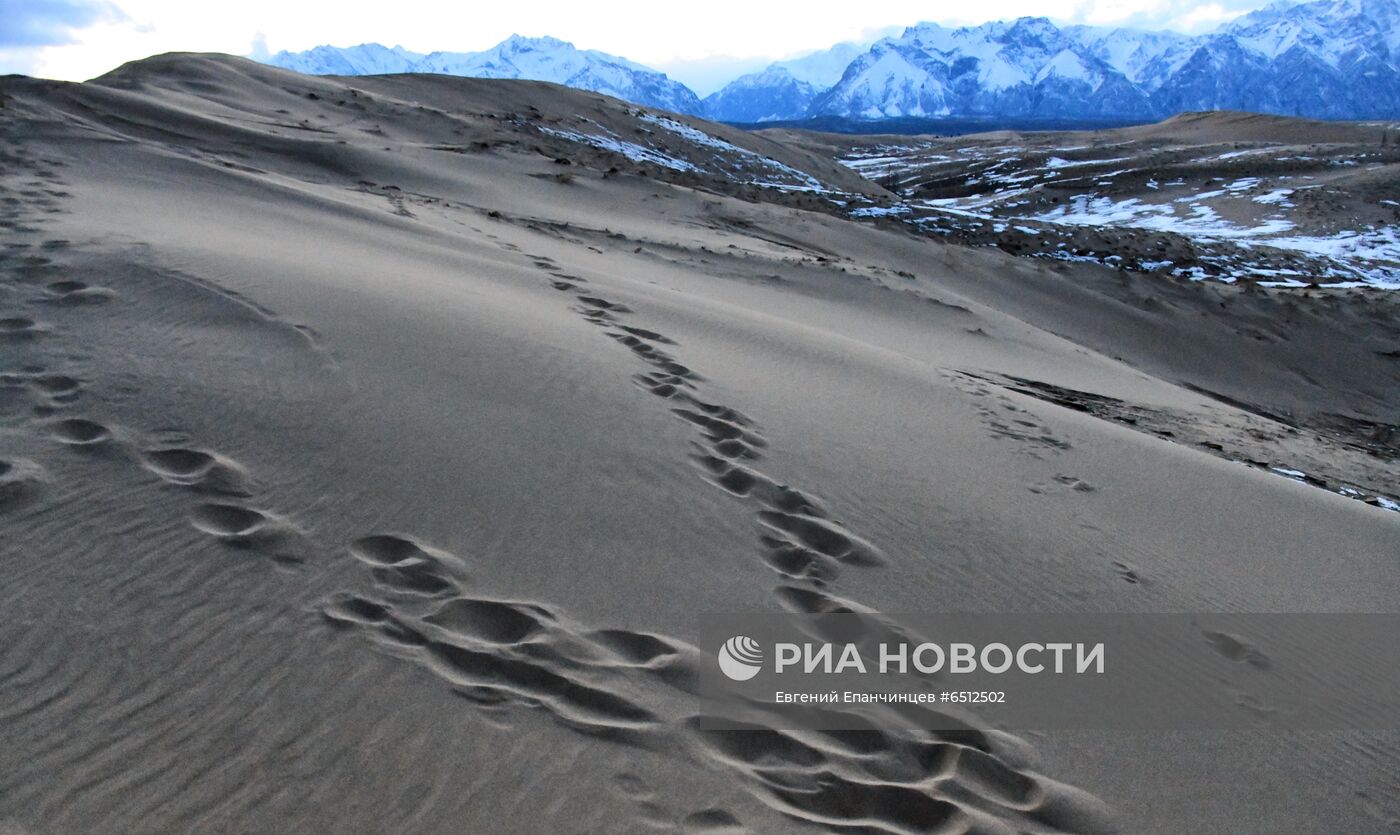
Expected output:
(784, 89)
(1336, 59)
(1027, 67)
(1327, 59)
(365, 59)
(537, 59)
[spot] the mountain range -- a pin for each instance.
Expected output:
(539, 59)
(1336, 59)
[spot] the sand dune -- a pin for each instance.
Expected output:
(371, 448)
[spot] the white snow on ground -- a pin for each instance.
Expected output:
(1096, 210)
(1372, 256)
(631, 150)
(699, 137)
(765, 172)
(1058, 162)
(1354, 258)
(1234, 154)
(881, 211)
(1278, 197)
(1348, 491)
(802, 180)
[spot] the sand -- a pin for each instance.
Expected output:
(366, 468)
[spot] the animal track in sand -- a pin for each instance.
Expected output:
(80, 432)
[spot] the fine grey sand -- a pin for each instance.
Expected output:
(369, 456)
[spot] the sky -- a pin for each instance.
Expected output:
(700, 44)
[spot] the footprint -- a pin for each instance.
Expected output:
(352, 610)
(1127, 572)
(735, 448)
(17, 328)
(58, 387)
(718, 429)
(1236, 649)
(604, 304)
(490, 621)
(76, 292)
(407, 566)
(21, 481)
(247, 528)
(390, 549)
(1075, 483)
(582, 706)
(80, 432)
(208, 471)
(345, 610)
(798, 563)
(712, 821)
(182, 463)
(822, 536)
(661, 385)
(636, 648)
(646, 334)
(229, 521)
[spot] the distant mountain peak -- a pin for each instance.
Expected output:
(541, 58)
(1331, 59)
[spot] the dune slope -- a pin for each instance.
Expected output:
(370, 448)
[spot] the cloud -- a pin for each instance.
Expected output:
(258, 50)
(1193, 17)
(36, 23)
